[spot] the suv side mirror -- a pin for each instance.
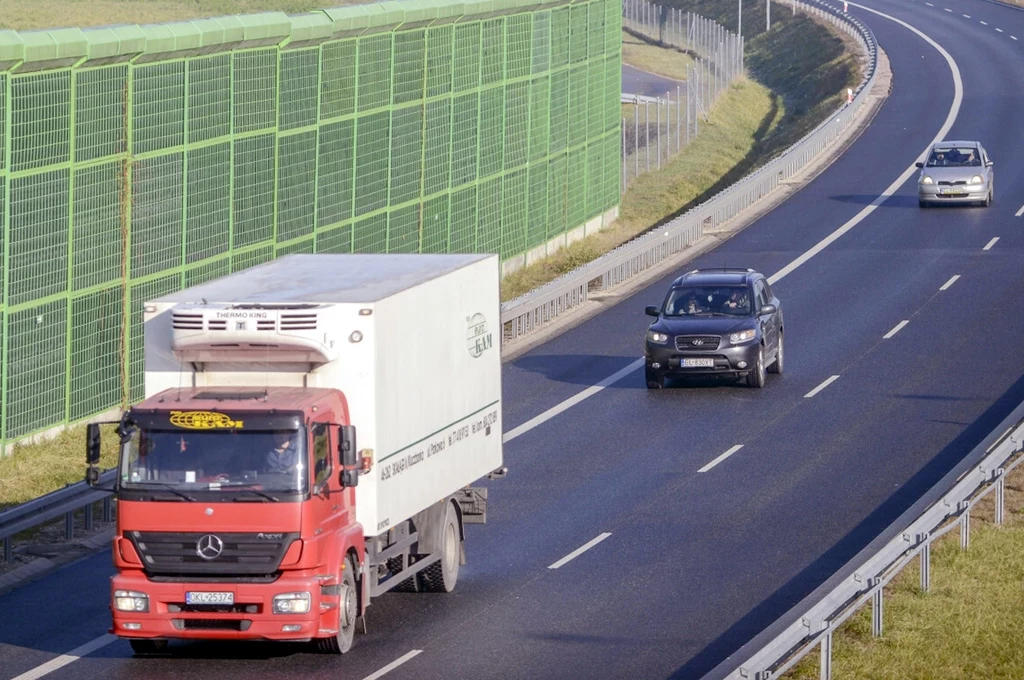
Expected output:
(651, 310)
(767, 309)
(919, 164)
(348, 455)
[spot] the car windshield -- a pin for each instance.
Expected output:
(954, 157)
(708, 301)
(202, 461)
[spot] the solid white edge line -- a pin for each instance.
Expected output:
(570, 402)
(393, 665)
(580, 550)
(949, 283)
(1021, 211)
(896, 330)
(722, 457)
(954, 110)
(65, 659)
(823, 385)
(988, 246)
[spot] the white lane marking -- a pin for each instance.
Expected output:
(984, 23)
(393, 665)
(819, 388)
(999, 30)
(570, 402)
(64, 659)
(722, 457)
(954, 110)
(949, 283)
(947, 9)
(1020, 212)
(927, 3)
(895, 330)
(580, 550)
(988, 246)
(967, 16)
(1014, 37)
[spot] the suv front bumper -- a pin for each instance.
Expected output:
(733, 360)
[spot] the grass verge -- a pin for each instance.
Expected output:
(964, 627)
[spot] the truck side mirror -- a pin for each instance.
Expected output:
(92, 444)
(347, 446)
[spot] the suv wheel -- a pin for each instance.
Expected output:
(654, 381)
(777, 365)
(756, 377)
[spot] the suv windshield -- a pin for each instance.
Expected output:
(708, 301)
(211, 461)
(954, 157)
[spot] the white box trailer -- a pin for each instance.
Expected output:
(411, 340)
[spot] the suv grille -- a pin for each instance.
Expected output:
(178, 553)
(697, 342)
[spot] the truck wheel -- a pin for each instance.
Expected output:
(406, 586)
(148, 646)
(441, 576)
(348, 612)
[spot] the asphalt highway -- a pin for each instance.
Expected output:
(686, 560)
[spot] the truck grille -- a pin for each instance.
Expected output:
(697, 342)
(223, 553)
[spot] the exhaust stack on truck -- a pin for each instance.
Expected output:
(310, 437)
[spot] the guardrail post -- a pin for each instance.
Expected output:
(825, 665)
(87, 510)
(1000, 494)
(108, 509)
(965, 524)
(8, 546)
(69, 525)
(926, 566)
(876, 607)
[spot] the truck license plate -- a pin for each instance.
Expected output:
(209, 598)
(698, 363)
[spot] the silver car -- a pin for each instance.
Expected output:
(956, 172)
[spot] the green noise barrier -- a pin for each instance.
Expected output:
(138, 160)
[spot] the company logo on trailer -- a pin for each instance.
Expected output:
(479, 339)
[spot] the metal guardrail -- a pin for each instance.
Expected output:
(813, 626)
(65, 502)
(533, 310)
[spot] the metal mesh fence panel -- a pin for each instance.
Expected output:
(127, 176)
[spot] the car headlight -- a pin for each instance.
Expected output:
(976, 179)
(291, 603)
(927, 180)
(130, 601)
(660, 338)
(742, 336)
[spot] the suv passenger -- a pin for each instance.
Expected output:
(715, 322)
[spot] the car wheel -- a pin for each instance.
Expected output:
(777, 366)
(922, 203)
(988, 199)
(756, 377)
(654, 381)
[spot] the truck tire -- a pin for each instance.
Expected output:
(409, 584)
(441, 576)
(148, 646)
(348, 612)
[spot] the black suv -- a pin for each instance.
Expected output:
(715, 321)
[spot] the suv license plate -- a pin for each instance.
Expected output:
(698, 363)
(209, 598)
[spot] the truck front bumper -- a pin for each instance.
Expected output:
(249, 617)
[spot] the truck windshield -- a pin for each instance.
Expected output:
(268, 461)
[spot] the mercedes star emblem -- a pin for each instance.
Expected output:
(209, 547)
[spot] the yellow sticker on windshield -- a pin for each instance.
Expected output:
(203, 420)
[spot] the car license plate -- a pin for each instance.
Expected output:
(209, 598)
(950, 191)
(698, 363)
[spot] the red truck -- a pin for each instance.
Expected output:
(309, 436)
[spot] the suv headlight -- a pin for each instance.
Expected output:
(927, 180)
(291, 603)
(659, 338)
(977, 179)
(130, 601)
(742, 336)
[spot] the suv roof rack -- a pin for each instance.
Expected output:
(738, 270)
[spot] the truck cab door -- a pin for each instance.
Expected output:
(328, 499)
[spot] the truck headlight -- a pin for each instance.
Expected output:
(742, 336)
(291, 603)
(927, 180)
(977, 179)
(659, 338)
(130, 601)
